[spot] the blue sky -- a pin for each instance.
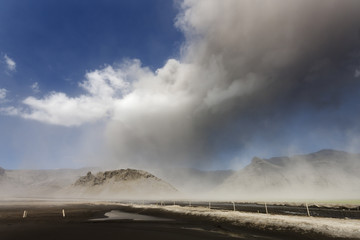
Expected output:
(158, 83)
(54, 43)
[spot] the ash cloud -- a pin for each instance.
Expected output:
(244, 68)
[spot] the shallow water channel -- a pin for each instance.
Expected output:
(119, 215)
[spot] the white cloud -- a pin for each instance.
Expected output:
(108, 82)
(103, 88)
(59, 109)
(3, 92)
(11, 64)
(11, 111)
(35, 87)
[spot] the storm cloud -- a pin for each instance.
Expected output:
(244, 65)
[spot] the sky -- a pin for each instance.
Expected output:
(205, 84)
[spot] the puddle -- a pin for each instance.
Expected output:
(119, 215)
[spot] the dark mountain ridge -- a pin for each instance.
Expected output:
(122, 183)
(115, 175)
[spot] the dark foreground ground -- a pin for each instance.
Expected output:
(45, 221)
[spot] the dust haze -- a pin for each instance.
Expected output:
(245, 68)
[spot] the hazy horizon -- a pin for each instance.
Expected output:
(183, 84)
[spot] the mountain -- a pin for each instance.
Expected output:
(323, 174)
(123, 183)
(326, 174)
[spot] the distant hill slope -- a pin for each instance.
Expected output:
(123, 183)
(324, 174)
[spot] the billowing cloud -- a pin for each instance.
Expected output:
(245, 64)
(10, 63)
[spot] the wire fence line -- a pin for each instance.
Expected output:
(305, 209)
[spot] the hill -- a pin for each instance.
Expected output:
(123, 183)
(327, 174)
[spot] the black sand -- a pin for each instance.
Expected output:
(45, 221)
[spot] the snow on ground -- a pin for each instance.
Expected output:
(342, 228)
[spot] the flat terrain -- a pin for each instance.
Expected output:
(45, 221)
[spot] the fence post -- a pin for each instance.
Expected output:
(266, 209)
(234, 206)
(307, 209)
